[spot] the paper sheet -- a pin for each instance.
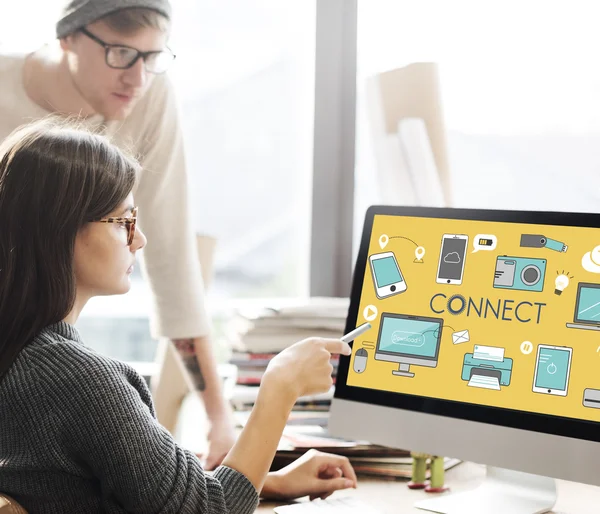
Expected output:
(484, 381)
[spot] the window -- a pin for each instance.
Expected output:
(520, 93)
(245, 78)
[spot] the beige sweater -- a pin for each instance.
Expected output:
(153, 134)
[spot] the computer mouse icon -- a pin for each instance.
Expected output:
(360, 360)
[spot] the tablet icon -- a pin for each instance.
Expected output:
(552, 370)
(370, 312)
(387, 277)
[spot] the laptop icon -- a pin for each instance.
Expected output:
(587, 307)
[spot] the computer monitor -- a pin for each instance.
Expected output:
(481, 301)
(407, 340)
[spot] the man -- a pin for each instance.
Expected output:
(108, 68)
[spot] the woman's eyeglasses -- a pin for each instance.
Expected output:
(129, 222)
(123, 57)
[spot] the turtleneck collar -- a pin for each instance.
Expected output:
(66, 330)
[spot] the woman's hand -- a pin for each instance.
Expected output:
(315, 474)
(304, 368)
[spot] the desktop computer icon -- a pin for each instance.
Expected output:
(525, 443)
(587, 307)
(408, 339)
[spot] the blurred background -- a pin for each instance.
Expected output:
(516, 88)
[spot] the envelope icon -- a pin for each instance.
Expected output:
(462, 336)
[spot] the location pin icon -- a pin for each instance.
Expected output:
(419, 253)
(383, 241)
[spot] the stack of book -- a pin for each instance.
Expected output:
(244, 398)
(257, 334)
(303, 433)
(272, 328)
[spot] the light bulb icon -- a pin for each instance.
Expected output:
(561, 282)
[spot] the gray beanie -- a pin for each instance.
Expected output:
(78, 13)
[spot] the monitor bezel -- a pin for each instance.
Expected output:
(512, 418)
(415, 317)
(576, 317)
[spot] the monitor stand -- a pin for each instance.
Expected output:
(501, 492)
(402, 371)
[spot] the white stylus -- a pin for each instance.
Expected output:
(351, 336)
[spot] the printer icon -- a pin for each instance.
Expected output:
(487, 368)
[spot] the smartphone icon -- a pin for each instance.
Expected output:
(387, 277)
(452, 259)
(552, 370)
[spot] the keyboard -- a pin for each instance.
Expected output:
(348, 505)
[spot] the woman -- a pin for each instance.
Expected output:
(77, 430)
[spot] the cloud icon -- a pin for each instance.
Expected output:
(452, 258)
(591, 261)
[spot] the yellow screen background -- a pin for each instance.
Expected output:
(444, 381)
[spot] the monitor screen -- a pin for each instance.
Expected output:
(505, 288)
(588, 303)
(552, 368)
(406, 336)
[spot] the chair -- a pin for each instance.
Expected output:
(406, 122)
(10, 506)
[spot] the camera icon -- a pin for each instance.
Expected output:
(520, 273)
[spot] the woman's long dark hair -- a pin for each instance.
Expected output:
(54, 178)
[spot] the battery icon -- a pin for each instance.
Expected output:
(485, 242)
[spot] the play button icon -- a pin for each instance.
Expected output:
(370, 312)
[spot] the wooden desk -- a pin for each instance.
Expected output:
(393, 497)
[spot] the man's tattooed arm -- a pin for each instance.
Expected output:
(187, 351)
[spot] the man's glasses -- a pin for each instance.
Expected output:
(128, 222)
(124, 57)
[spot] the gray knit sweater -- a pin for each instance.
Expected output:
(78, 434)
